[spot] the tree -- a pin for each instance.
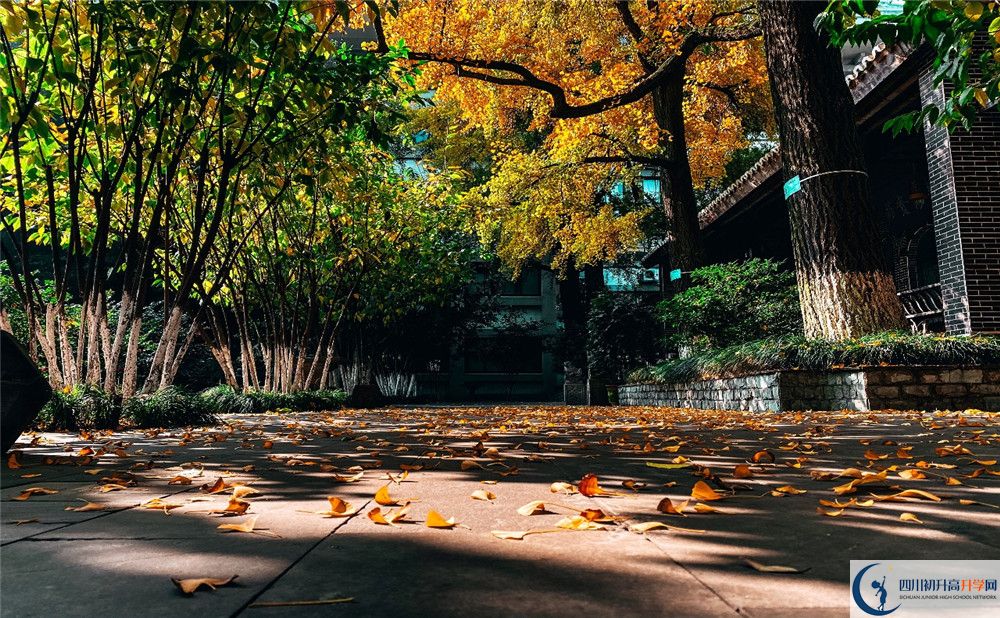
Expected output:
(606, 87)
(136, 136)
(964, 37)
(845, 287)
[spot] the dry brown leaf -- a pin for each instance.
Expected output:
(482, 494)
(189, 586)
(12, 461)
(390, 517)
(596, 515)
(787, 489)
(742, 471)
(910, 517)
(180, 480)
(234, 507)
(468, 464)
(668, 507)
(247, 526)
(704, 492)
(768, 568)
(965, 502)
(217, 487)
(348, 479)
(704, 508)
(588, 486)
(831, 513)
(911, 475)
(241, 491)
(908, 493)
(109, 487)
(156, 503)
(35, 491)
(89, 506)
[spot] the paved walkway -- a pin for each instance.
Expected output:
(119, 561)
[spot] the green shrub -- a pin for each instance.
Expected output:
(797, 352)
(622, 334)
(734, 303)
(82, 407)
(224, 399)
(168, 407)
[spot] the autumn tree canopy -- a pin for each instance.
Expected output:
(606, 88)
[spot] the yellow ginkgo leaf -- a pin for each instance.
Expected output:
(338, 508)
(382, 497)
(89, 506)
(910, 517)
(436, 520)
(562, 487)
(536, 507)
(702, 491)
(668, 507)
(577, 522)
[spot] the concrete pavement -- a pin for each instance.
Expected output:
(119, 561)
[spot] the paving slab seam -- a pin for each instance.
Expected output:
(107, 513)
(295, 562)
(624, 527)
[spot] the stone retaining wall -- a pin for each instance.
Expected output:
(872, 388)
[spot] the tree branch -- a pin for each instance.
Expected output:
(561, 107)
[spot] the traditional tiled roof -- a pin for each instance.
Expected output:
(867, 74)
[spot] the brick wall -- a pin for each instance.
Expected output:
(964, 172)
(874, 388)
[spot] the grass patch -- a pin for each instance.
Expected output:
(797, 352)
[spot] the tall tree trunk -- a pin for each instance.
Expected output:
(845, 286)
(676, 185)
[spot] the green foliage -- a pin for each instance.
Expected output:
(80, 407)
(797, 352)
(965, 38)
(622, 334)
(169, 407)
(224, 399)
(733, 303)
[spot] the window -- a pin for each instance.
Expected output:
(528, 284)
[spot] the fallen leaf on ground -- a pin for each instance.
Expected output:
(482, 494)
(35, 491)
(596, 515)
(831, 513)
(340, 478)
(668, 466)
(588, 486)
(769, 568)
(468, 464)
(247, 526)
(234, 507)
(787, 490)
(742, 471)
(189, 586)
(911, 475)
(436, 520)
(390, 517)
(89, 506)
(338, 508)
(180, 480)
(156, 503)
(562, 487)
(576, 522)
(12, 461)
(965, 502)
(908, 493)
(656, 525)
(909, 517)
(668, 507)
(704, 492)
(382, 497)
(518, 535)
(217, 487)
(536, 507)
(763, 455)
(704, 508)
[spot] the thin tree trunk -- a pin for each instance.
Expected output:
(845, 286)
